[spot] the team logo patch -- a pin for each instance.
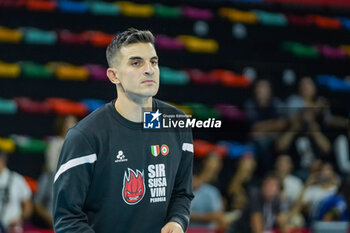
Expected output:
(164, 149)
(133, 187)
(155, 150)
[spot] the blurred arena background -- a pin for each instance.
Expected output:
(276, 72)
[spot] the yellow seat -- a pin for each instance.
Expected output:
(195, 44)
(136, 10)
(71, 72)
(238, 16)
(9, 70)
(10, 35)
(7, 145)
(346, 48)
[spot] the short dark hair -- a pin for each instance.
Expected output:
(130, 36)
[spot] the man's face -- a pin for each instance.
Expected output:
(270, 188)
(137, 69)
(284, 164)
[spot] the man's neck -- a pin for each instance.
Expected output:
(131, 108)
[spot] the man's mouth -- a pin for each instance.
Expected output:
(133, 198)
(148, 81)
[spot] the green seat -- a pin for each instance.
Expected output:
(35, 70)
(274, 19)
(37, 36)
(175, 77)
(7, 106)
(104, 8)
(167, 11)
(300, 50)
(26, 144)
(200, 111)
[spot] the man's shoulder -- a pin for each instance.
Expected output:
(95, 120)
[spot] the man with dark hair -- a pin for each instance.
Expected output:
(265, 209)
(115, 176)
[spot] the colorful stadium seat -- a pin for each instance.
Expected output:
(171, 76)
(239, 16)
(131, 9)
(103, 8)
(169, 43)
(41, 5)
(27, 105)
(164, 11)
(7, 145)
(197, 13)
(9, 70)
(10, 35)
(38, 36)
(195, 44)
(63, 106)
(35, 70)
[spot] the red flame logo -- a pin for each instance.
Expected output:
(133, 186)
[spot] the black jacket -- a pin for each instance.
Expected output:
(113, 176)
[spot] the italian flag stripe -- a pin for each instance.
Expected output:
(155, 150)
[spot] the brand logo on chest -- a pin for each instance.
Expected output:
(120, 157)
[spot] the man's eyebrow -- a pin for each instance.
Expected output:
(140, 58)
(135, 58)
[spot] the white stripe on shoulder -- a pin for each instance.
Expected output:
(75, 162)
(187, 147)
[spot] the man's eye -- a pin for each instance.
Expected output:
(136, 63)
(154, 62)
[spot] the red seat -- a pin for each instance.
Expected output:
(41, 5)
(63, 106)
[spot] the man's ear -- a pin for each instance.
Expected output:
(112, 75)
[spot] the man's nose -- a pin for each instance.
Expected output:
(149, 69)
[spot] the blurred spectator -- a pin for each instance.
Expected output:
(264, 210)
(307, 99)
(264, 109)
(336, 206)
(321, 183)
(212, 166)
(241, 183)
(206, 207)
(342, 152)
(304, 139)
(292, 185)
(264, 114)
(15, 195)
(43, 198)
